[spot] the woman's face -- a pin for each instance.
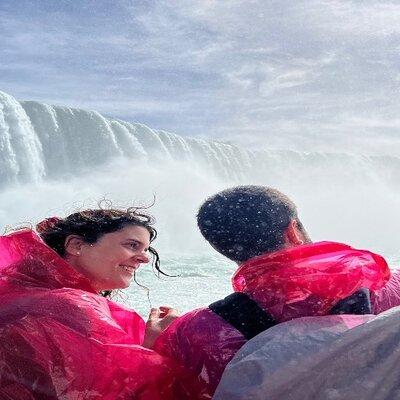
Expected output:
(110, 262)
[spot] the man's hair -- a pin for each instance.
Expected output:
(246, 221)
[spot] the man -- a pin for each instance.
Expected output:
(282, 276)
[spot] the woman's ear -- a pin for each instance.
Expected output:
(293, 235)
(73, 245)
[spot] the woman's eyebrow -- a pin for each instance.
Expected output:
(135, 241)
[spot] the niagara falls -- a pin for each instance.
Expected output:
(199, 199)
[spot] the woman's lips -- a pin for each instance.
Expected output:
(129, 268)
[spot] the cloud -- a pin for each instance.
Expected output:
(305, 74)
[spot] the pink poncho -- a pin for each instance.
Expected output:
(60, 340)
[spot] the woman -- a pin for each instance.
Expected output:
(59, 337)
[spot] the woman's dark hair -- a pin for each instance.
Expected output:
(92, 224)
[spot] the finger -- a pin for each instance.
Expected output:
(169, 317)
(164, 311)
(168, 310)
(154, 314)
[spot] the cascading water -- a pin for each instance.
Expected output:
(21, 157)
(53, 159)
(39, 141)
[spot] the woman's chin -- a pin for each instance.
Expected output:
(125, 284)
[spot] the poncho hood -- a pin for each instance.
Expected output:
(317, 275)
(26, 258)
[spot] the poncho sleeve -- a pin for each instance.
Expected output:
(194, 342)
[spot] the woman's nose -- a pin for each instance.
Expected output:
(143, 257)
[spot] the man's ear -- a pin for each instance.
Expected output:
(293, 235)
(73, 245)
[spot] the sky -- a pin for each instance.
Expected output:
(299, 74)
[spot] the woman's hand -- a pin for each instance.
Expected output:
(159, 320)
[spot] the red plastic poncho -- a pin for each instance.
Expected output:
(302, 281)
(61, 340)
(309, 279)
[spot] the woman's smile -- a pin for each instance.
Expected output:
(129, 269)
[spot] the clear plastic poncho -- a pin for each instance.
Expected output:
(331, 357)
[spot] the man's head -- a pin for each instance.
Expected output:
(247, 221)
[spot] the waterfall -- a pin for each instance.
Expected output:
(40, 141)
(21, 153)
(45, 149)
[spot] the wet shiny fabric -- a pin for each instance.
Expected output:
(331, 357)
(60, 340)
